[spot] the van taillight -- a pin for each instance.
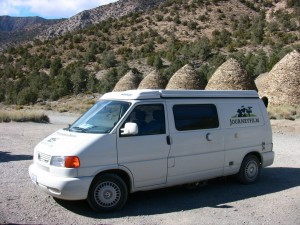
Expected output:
(72, 162)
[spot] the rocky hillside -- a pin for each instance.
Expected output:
(93, 16)
(15, 30)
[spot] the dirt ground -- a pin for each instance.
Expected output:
(274, 199)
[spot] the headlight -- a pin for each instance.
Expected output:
(65, 161)
(58, 161)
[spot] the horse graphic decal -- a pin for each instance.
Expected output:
(245, 112)
(244, 115)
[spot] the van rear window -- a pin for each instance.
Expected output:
(195, 117)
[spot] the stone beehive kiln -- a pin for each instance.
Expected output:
(282, 84)
(129, 81)
(186, 78)
(231, 76)
(153, 81)
(261, 83)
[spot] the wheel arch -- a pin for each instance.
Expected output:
(257, 154)
(121, 173)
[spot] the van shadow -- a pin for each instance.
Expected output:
(7, 157)
(218, 193)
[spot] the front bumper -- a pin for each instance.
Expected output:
(75, 188)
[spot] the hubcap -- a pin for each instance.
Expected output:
(251, 170)
(107, 194)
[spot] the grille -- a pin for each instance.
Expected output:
(44, 157)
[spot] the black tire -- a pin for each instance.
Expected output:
(107, 192)
(250, 170)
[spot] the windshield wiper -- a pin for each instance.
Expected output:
(78, 129)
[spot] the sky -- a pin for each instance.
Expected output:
(49, 9)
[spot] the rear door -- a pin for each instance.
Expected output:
(245, 131)
(146, 153)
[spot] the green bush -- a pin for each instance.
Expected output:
(26, 96)
(109, 59)
(55, 66)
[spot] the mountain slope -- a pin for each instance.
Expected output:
(96, 15)
(15, 30)
(8, 23)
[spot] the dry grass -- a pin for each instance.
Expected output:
(35, 113)
(284, 112)
(23, 116)
(72, 104)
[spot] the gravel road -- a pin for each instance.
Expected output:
(274, 199)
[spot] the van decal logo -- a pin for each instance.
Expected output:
(244, 115)
(51, 140)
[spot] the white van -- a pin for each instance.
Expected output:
(147, 139)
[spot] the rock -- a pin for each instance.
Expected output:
(282, 84)
(129, 81)
(153, 81)
(186, 78)
(231, 76)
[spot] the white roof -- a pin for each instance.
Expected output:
(156, 94)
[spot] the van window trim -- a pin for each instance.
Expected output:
(136, 103)
(185, 104)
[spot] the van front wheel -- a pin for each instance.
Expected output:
(250, 170)
(108, 192)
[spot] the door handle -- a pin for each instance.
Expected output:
(208, 137)
(168, 140)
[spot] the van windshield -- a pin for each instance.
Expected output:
(101, 118)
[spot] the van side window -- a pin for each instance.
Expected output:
(150, 119)
(195, 117)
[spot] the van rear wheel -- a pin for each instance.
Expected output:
(250, 170)
(108, 192)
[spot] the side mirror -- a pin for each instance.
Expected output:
(130, 129)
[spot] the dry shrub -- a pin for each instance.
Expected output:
(73, 104)
(23, 116)
(4, 117)
(284, 112)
